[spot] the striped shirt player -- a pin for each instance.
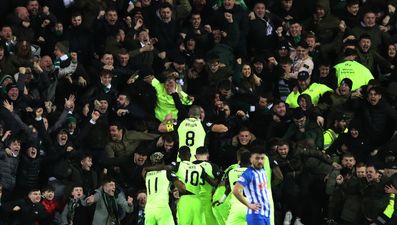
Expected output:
(254, 182)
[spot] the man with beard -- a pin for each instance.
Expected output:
(304, 129)
(254, 182)
(126, 112)
(124, 142)
(339, 126)
(281, 120)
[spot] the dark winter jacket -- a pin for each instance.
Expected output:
(28, 173)
(8, 172)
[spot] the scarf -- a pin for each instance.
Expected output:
(111, 207)
(72, 205)
(106, 88)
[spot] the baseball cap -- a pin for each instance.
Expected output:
(391, 165)
(303, 75)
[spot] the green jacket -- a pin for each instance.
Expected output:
(130, 141)
(165, 102)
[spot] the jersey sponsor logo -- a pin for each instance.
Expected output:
(262, 185)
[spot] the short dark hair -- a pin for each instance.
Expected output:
(105, 72)
(245, 157)
(73, 186)
(184, 152)
(14, 139)
(201, 150)
(257, 149)
(116, 124)
(365, 36)
(167, 138)
(108, 179)
(48, 188)
(166, 5)
(85, 155)
(76, 14)
(244, 128)
(283, 142)
(378, 90)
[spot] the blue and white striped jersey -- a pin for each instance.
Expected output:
(255, 184)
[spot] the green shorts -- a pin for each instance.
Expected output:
(159, 216)
(237, 215)
(190, 211)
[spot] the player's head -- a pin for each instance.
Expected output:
(202, 153)
(239, 152)
(245, 156)
(257, 157)
(184, 153)
(194, 111)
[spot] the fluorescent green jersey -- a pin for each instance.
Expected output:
(238, 210)
(233, 176)
(190, 174)
(268, 170)
(192, 134)
(206, 191)
(157, 187)
(213, 171)
(221, 211)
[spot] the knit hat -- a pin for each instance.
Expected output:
(5, 77)
(348, 82)
(63, 46)
(10, 86)
(71, 119)
(156, 157)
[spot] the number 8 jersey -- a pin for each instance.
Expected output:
(191, 133)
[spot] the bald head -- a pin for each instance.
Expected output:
(22, 13)
(46, 63)
(194, 111)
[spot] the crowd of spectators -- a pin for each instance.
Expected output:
(90, 89)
